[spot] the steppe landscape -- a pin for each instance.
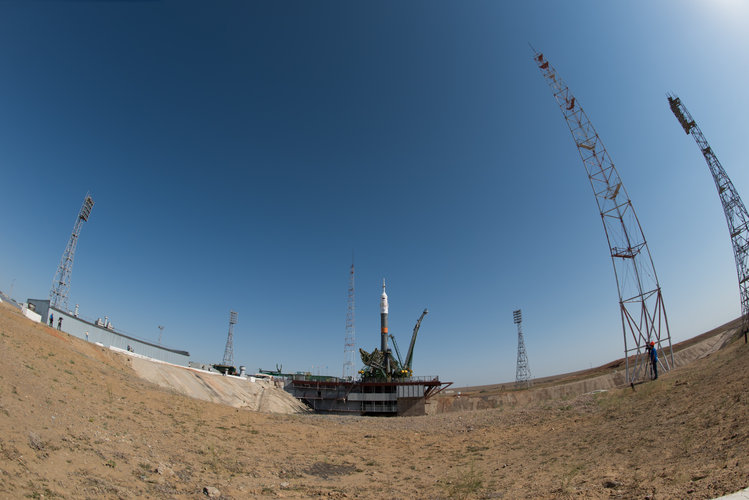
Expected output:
(77, 422)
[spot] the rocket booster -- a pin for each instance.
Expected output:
(383, 319)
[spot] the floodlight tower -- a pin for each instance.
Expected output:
(229, 351)
(523, 371)
(58, 294)
(641, 305)
(734, 209)
(349, 343)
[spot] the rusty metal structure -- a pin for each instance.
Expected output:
(643, 314)
(737, 217)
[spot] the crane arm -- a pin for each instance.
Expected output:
(409, 356)
(397, 351)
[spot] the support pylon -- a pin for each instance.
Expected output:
(229, 350)
(58, 294)
(349, 343)
(643, 314)
(523, 370)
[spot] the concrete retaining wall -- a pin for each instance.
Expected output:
(94, 333)
(443, 404)
(240, 392)
(31, 314)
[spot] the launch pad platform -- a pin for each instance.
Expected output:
(403, 397)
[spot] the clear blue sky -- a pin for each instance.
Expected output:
(239, 151)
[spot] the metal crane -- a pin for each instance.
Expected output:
(397, 351)
(734, 209)
(409, 356)
(643, 313)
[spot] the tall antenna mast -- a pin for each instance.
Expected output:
(349, 343)
(734, 209)
(641, 305)
(523, 371)
(58, 294)
(229, 351)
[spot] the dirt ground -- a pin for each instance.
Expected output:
(76, 422)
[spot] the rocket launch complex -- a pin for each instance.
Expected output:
(386, 387)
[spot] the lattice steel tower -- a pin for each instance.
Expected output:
(641, 305)
(523, 371)
(229, 351)
(349, 343)
(58, 294)
(734, 209)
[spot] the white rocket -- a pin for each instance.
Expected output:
(383, 319)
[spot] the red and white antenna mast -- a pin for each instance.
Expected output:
(641, 302)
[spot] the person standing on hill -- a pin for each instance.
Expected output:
(51, 319)
(653, 355)
(59, 323)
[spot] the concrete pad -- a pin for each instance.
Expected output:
(739, 495)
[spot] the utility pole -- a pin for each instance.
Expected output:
(737, 217)
(161, 330)
(523, 371)
(643, 313)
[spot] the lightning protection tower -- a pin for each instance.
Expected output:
(734, 209)
(349, 343)
(58, 294)
(523, 371)
(229, 351)
(643, 313)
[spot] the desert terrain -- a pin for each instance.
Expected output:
(76, 421)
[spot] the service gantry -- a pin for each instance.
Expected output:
(643, 313)
(58, 294)
(734, 209)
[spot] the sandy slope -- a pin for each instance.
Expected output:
(251, 394)
(76, 422)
